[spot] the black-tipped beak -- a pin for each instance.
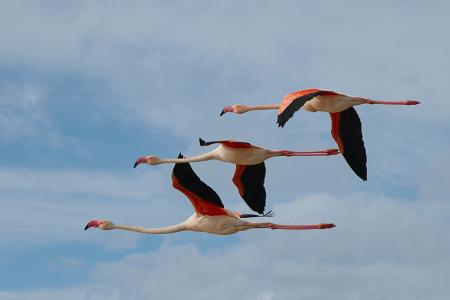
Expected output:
(222, 112)
(139, 161)
(93, 223)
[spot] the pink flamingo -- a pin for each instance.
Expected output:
(345, 122)
(210, 216)
(250, 169)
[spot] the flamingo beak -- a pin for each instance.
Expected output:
(93, 223)
(225, 110)
(139, 161)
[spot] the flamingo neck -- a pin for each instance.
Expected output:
(260, 107)
(201, 157)
(161, 230)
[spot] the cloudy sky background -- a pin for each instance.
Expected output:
(88, 86)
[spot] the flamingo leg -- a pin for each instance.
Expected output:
(302, 227)
(311, 153)
(405, 102)
(289, 227)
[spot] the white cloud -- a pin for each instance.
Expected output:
(66, 264)
(45, 207)
(382, 248)
(23, 117)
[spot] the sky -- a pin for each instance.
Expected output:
(86, 87)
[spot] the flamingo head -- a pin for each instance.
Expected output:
(101, 224)
(151, 160)
(237, 109)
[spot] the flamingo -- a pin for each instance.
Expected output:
(250, 169)
(345, 122)
(210, 216)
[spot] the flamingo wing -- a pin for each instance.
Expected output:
(294, 101)
(249, 181)
(204, 199)
(227, 143)
(346, 131)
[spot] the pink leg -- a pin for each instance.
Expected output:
(309, 153)
(302, 227)
(288, 227)
(405, 102)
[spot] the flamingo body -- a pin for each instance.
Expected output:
(217, 224)
(242, 153)
(243, 156)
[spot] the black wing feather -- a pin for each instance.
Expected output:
(351, 134)
(203, 143)
(229, 143)
(191, 182)
(294, 106)
(252, 180)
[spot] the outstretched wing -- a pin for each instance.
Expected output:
(204, 199)
(227, 143)
(294, 101)
(250, 183)
(346, 131)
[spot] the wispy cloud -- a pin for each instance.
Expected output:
(382, 248)
(66, 264)
(23, 116)
(44, 207)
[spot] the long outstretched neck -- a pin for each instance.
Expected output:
(161, 230)
(261, 107)
(201, 157)
(402, 102)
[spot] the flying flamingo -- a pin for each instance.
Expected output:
(210, 215)
(345, 123)
(250, 168)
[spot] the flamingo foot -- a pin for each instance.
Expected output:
(269, 214)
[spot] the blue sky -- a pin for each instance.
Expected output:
(86, 87)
